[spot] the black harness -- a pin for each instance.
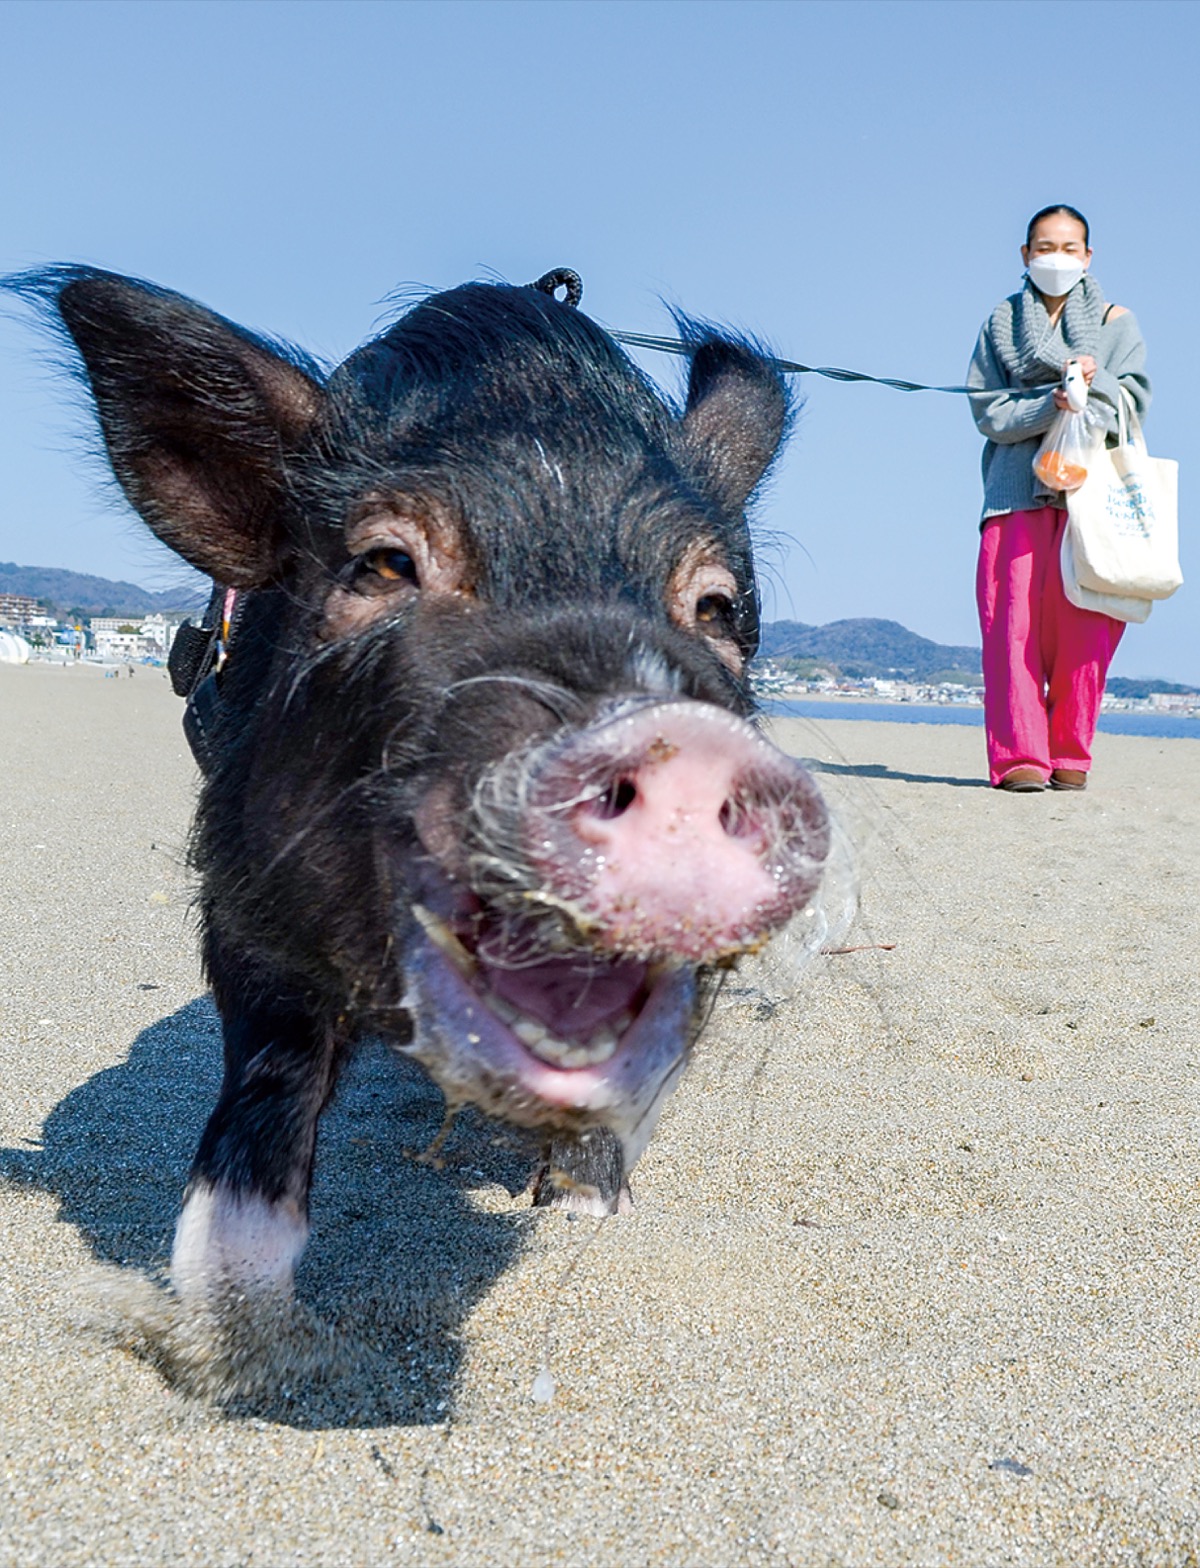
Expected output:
(195, 662)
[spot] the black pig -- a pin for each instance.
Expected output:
(480, 776)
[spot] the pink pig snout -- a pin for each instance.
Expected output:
(676, 830)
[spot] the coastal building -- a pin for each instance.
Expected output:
(99, 624)
(119, 644)
(896, 691)
(160, 631)
(136, 637)
(16, 609)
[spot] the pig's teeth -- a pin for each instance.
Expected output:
(563, 1054)
(535, 1037)
(551, 1049)
(503, 1010)
(603, 1044)
(440, 934)
(530, 1032)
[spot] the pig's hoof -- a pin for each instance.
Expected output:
(225, 1348)
(584, 1175)
(548, 1193)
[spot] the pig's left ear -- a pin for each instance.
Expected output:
(197, 414)
(735, 419)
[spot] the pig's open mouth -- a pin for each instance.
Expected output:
(568, 1009)
(544, 1038)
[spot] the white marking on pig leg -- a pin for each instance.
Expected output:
(226, 1240)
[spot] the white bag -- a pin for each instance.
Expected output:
(1120, 606)
(1123, 520)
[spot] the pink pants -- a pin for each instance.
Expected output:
(1044, 660)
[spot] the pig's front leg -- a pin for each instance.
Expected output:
(245, 1213)
(585, 1175)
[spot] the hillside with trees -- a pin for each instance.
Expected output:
(861, 649)
(77, 593)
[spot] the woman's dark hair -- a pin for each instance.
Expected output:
(1048, 212)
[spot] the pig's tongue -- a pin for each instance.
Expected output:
(574, 996)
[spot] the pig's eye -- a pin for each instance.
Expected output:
(704, 598)
(387, 564)
(714, 615)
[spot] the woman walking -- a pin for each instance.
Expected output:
(1044, 660)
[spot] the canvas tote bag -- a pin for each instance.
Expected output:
(1121, 607)
(1123, 520)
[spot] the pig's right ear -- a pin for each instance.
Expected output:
(736, 415)
(197, 414)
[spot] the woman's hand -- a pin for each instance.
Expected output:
(1088, 366)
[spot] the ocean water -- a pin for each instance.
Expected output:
(1163, 726)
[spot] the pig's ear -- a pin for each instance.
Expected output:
(197, 414)
(735, 419)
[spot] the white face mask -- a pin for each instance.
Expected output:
(1055, 274)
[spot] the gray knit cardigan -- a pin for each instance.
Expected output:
(1014, 426)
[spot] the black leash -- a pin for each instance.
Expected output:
(572, 286)
(792, 367)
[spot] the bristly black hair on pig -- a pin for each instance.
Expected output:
(481, 778)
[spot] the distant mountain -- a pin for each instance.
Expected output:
(860, 649)
(1124, 686)
(65, 591)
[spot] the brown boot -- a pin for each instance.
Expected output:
(1022, 781)
(1068, 778)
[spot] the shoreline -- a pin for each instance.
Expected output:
(1146, 723)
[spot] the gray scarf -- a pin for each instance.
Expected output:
(1029, 348)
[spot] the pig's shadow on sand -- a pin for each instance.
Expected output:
(399, 1252)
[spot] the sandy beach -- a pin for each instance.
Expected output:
(912, 1276)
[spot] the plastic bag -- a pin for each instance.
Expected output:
(1066, 450)
(1062, 459)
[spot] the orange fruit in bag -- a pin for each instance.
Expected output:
(1056, 473)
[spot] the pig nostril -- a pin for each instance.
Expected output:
(736, 821)
(616, 799)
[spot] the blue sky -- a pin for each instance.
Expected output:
(850, 181)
